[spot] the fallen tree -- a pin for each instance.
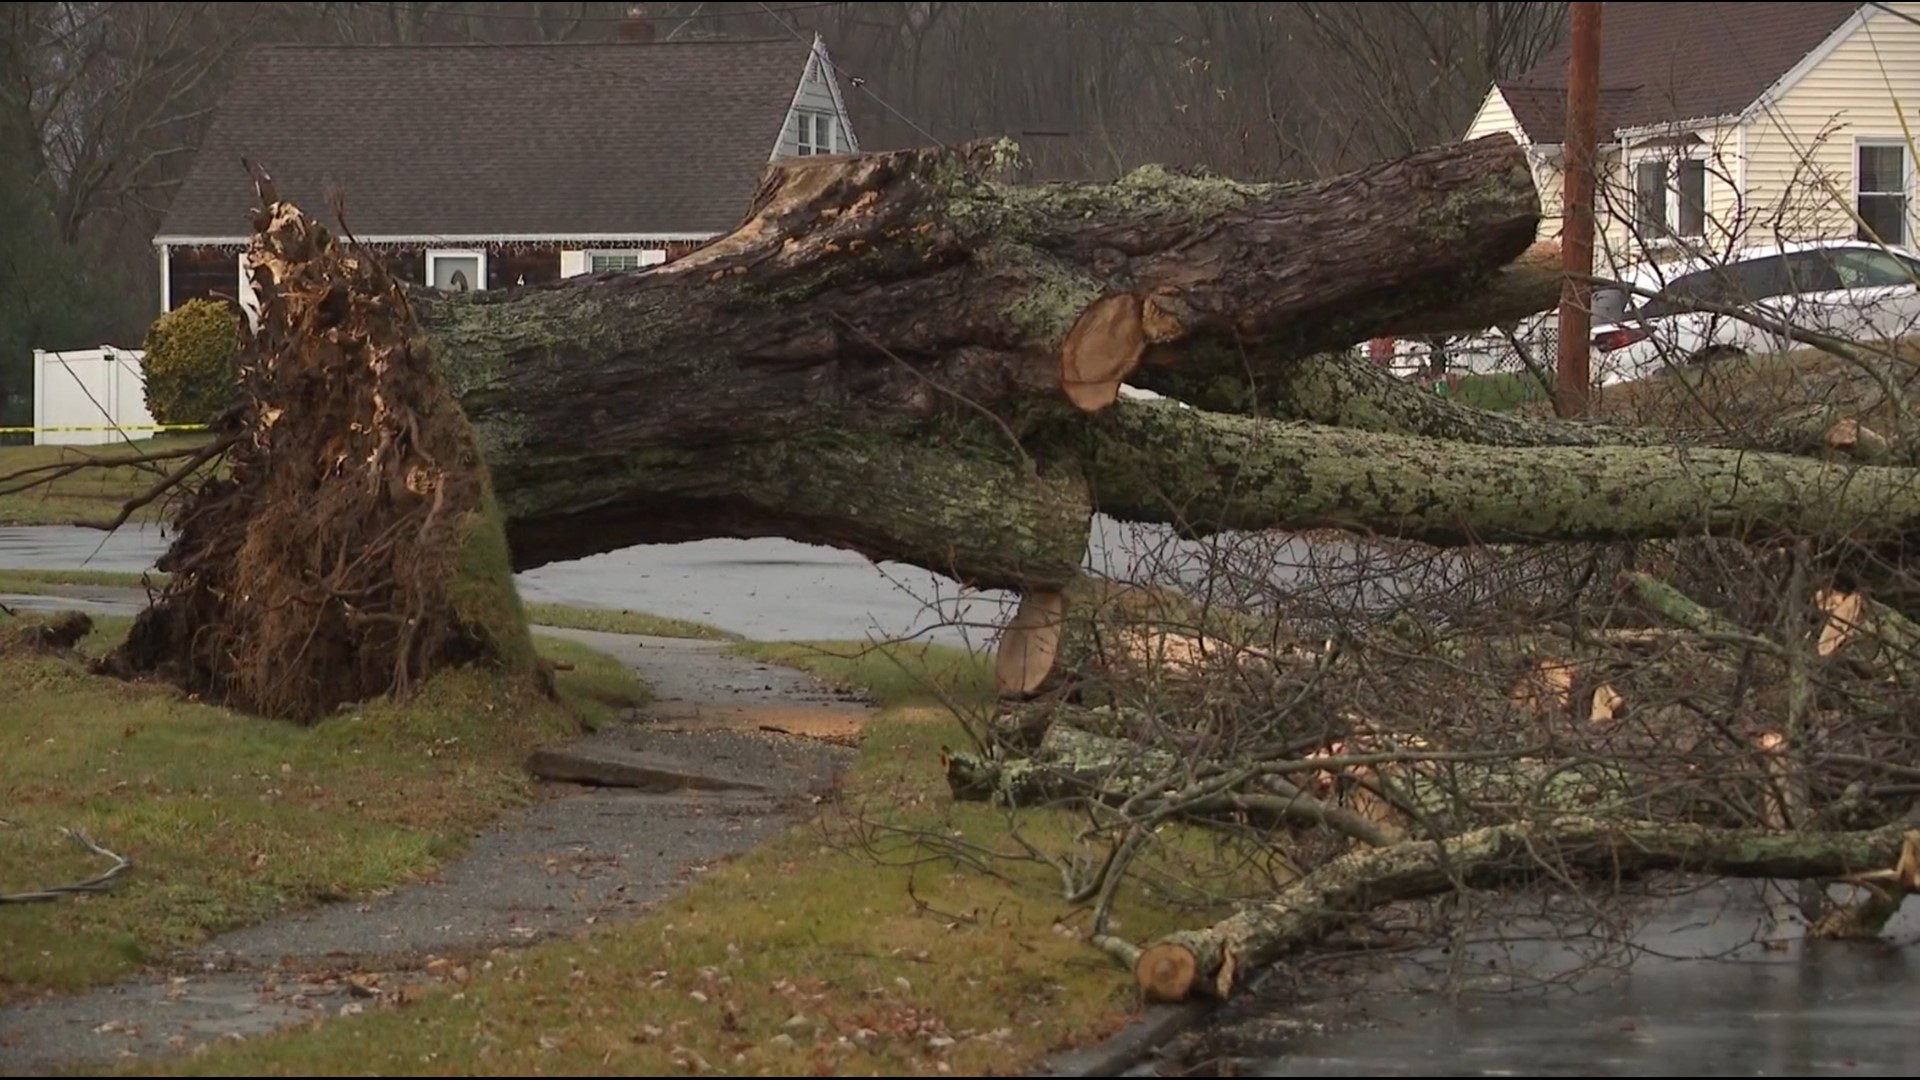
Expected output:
(906, 356)
(902, 355)
(896, 354)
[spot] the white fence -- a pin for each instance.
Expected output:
(89, 397)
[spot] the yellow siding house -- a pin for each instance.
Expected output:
(1724, 125)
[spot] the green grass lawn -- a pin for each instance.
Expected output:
(844, 947)
(39, 581)
(231, 819)
(1501, 391)
(622, 622)
(87, 494)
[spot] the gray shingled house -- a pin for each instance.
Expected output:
(485, 166)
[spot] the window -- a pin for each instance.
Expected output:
(813, 132)
(598, 261)
(1864, 268)
(1650, 199)
(1691, 186)
(1670, 198)
(457, 271)
(1880, 185)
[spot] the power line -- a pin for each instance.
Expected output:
(858, 84)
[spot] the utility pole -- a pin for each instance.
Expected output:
(1576, 239)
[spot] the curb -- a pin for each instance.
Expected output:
(1153, 1028)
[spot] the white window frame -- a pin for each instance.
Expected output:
(807, 130)
(643, 258)
(434, 254)
(1906, 182)
(1672, 157)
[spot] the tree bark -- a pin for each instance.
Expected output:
(883, 358)
(865, 361)
(1207, 472)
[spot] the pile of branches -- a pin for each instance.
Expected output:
(1553, 713)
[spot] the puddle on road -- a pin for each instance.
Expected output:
(780, 590)
(1706, 999)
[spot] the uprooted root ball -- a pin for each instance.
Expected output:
(353, 549)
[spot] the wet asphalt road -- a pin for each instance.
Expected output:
(1708, 996)
(766, 590)
(763, 589)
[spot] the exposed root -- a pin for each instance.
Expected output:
(353, 549)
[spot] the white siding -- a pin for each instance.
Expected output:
(815, 98)
(1717, 149)
(1494, 115)
(1801, 150)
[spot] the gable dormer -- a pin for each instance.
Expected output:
(817, 121)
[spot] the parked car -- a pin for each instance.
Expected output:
(1854, 290)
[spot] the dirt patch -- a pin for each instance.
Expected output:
(836, 725)
(54, 634)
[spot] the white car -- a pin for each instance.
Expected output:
(1855, 290)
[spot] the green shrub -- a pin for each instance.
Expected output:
(192, 360)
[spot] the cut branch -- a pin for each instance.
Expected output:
(1030, 644)
(99, 883)
(1338, 892)
(1523, 288)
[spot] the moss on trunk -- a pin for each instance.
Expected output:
(1205, 472)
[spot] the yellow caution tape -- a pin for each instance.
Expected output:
(105, 427)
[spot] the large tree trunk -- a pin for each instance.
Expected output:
(896, 355)
(877, 358)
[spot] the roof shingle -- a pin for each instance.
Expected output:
(1671, 62)
(498, 140)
